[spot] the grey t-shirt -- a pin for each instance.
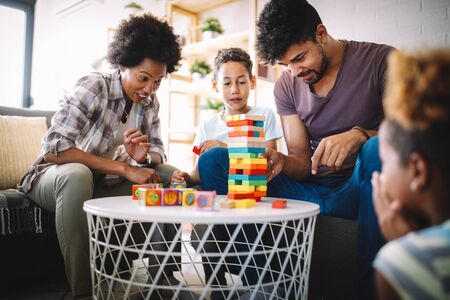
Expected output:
(354, 100)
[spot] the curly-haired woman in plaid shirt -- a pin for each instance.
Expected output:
(105, 137)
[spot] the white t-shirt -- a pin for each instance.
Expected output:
(216, 129)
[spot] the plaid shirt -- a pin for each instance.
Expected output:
(88, 121)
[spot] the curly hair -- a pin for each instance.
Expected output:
(283, 23)
(417, 91)
(232, 54)
(417, 106)
(144, 36)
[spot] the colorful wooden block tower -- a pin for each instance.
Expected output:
(247, 175)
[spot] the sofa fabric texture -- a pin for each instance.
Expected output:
(17, 213)
(20, 138)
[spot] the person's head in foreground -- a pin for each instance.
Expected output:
(413, 190)
(145, 49)
(233, 79)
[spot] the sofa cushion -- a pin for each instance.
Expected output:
(26, 112)
(20, 138)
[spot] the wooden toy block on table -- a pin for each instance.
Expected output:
(205, 200)
(279, 204)
(150, 197)
(245, 203)
(136, 187)
(188, 197)
(170, 197)
(247, 174)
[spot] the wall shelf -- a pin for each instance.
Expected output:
(205, 48)
(198, 6)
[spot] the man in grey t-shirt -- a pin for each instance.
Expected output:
(330, 104)
(329, 101)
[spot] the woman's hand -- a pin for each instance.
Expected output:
(275, 163)
(136, 144)
(394, 219)
(179, 176)
(141, 175)
(205, 146)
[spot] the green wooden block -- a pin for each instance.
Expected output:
(243, 155)
(254, 182)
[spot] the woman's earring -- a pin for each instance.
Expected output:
(413, 186)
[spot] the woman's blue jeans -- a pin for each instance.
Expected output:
(344, 197)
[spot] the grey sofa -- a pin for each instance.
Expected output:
(30, 250)
(28, 242)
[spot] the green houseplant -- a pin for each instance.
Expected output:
(214, 104)
(134, 6)
(211, 28)
(200, 67)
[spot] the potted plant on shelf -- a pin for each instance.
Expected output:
(214, 104)
(199, 69)
(134, 7)
(211, 28)
(210, 106)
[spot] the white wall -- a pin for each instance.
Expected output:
(64, 48)
(405, 24)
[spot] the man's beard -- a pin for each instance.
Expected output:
(319, 74)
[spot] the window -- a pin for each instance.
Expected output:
(16, 34)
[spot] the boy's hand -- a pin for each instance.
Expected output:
(136, 144)
(393, 218)
(205, 146)
(275, 163)
(179, 176)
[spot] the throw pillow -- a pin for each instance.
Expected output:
(20, 142)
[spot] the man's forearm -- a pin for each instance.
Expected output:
(297, 168)
(96, 163)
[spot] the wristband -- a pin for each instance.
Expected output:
(362, 131)
(147, 162)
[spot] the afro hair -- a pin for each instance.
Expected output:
(144, 36)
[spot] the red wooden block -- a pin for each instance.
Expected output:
(279, 204)
(196, 150)
(254, 172)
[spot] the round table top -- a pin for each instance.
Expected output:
(123, 207)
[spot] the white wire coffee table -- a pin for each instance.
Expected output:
(141, 252)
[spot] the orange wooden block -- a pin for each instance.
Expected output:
(240, 133)
(235, 171)
(239, 123)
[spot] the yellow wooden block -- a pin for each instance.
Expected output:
(254, 161)
(245, 203)
(241, 188)
(235, 160)
(261, 188)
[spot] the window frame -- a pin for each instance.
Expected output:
(27, 6)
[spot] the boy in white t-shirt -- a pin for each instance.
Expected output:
(233, 79)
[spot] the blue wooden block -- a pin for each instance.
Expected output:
(246, 177)
(246, 150)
